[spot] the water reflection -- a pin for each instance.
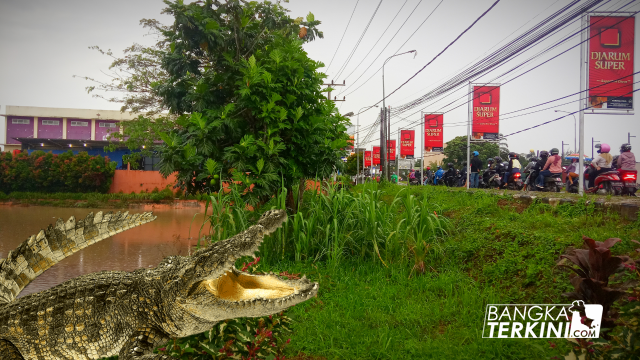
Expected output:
(144, 246)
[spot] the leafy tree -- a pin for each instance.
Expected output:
(351, 165)
(248, 100)
(456, 150)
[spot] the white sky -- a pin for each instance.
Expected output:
(45, 43)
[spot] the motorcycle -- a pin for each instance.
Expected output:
(515, 182)
(552, 183)
(490, 179)
(629, 178)
(606, 183)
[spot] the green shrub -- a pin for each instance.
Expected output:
(46, 172)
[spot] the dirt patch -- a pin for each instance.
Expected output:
(517, 206)
(303, 356)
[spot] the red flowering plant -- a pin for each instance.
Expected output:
(46, 172)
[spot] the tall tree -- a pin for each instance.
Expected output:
(247, 97)
(456, 150)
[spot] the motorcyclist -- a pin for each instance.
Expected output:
(438, 175)
(626, 160)
(462, 176)
(476, 166)
(450, 174)
(551, 167)
(394, 178)
(572, 170)
(512, 168)
(427, 175)
(602, 163)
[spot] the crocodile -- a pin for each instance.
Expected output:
(130, 313)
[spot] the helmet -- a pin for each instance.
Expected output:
(490, 161)
(498, 159)
(605, 148)
(464, 163)
(544, 154)
(449, 165)
(428, 167)
(475, 153)
(625, 147)
(513, 155)
(440, 167)
(554, 151)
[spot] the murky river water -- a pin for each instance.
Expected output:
(143, 246)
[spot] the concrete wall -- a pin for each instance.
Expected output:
(102, 132)
(79, 132)
(136, 181)
(49, 131)
(19, 130)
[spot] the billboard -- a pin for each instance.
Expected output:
(433, 140)
(611, 46)
(486, 112)
(376, 155)
(367, 158)
(391, 150)
(407, 139)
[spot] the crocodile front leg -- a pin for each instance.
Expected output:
(9, 351)
(140, 346)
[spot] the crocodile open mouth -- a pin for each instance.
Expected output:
(236, 285)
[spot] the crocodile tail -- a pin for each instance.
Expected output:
(40, 252)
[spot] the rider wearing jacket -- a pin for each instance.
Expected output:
(513, 168)
(626, 160)
(601, 163)
(438, 175)
(552, 166)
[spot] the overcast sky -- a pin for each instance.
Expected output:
(45, 43)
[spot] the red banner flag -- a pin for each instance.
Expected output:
(376, 155)
(367, 158)
(611, 47)
(486, 112)
(433, 140)
(391, 150)
(407, 138)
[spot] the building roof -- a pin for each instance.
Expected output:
(61, 144)
(31, 111)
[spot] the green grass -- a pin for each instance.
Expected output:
(496, 251)
(406, 272)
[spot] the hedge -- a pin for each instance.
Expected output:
(46, 172)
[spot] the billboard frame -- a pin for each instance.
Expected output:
(586, 30)
(470, 123)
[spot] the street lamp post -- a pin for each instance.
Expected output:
(629, 136)
(384, 141)
(592, 143)
(575, 137)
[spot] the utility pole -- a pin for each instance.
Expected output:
(333, 84)
(383, 147)
(388, 141)
(629, 138)
(563, 154)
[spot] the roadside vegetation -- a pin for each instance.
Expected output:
(407, 272)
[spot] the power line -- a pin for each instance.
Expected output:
(365, 70)
(465, 123)
(449, 85)
(550, 121)
(345, 31)
(359, 40)
(537, 38)
(380, 38)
